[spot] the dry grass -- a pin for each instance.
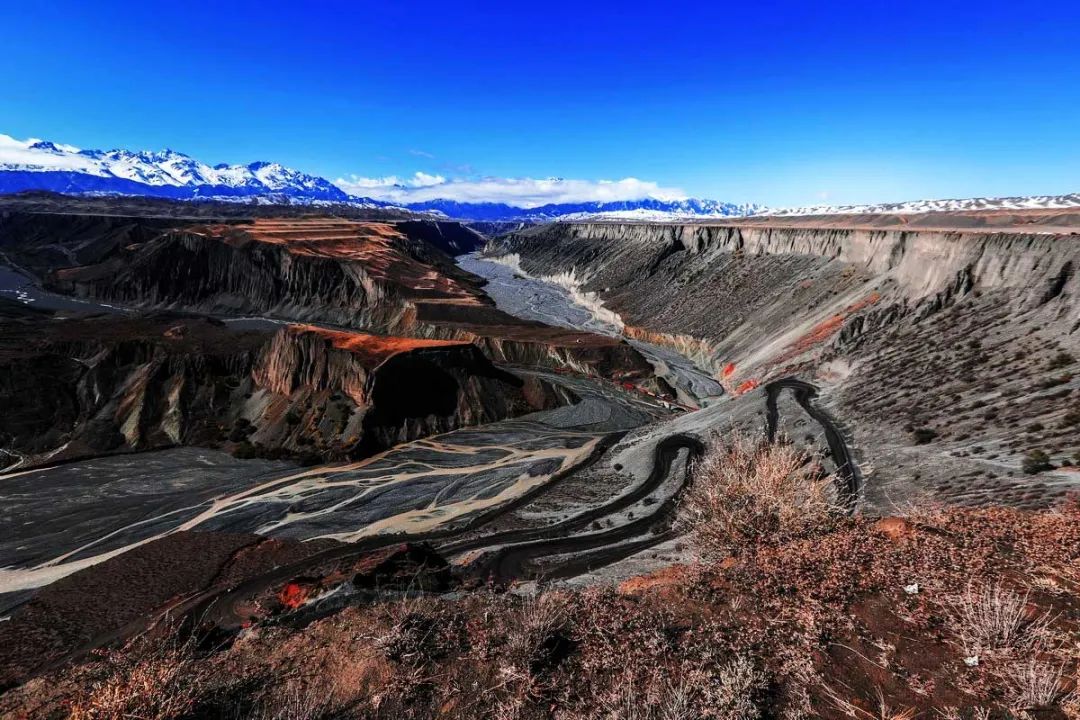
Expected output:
(730, 693)
(992, 617)
(951, 712)
(533, 642)
(745, 491)
(882, 710)
(735, 689)
(769, 634)
(412, 631)
(1033, 684)
(539, 621)
(660, 699)
(148, 681)
(298, 703)
(992, 620)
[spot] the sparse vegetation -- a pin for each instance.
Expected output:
(148, 679)
(1036, 461)
(1033, 684)
(993, 617)
(794, 628)
(737, 684)
(1059, 361)
(1055, 381)
(923, 435)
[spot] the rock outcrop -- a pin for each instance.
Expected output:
(43, 242)
(332, 271)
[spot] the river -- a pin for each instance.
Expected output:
(552, 303)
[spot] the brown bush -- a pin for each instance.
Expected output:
(744, 491)
(148, 680)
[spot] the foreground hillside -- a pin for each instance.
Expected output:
(958, 613)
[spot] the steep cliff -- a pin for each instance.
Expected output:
(731, 275)
(100, 385)
(40, 242)
(336, 271)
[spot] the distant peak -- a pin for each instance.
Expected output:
(45, 145)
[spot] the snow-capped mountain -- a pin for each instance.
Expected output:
(646, 208)
(1033, 202)
(43, 165)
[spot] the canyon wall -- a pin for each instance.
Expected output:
(395, 279)
(951, 354)
(105, 385)
(706, 281)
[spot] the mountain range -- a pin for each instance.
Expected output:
(43, 165)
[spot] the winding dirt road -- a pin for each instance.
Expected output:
(848, 478)
(513, 550)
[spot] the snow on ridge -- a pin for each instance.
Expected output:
(165, 173)
(34, 164)
(1033, 202)
(674, 215)
(645, 215)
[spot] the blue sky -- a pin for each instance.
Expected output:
(784, 103)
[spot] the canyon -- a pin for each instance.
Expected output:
(256, 419)
(948, 352)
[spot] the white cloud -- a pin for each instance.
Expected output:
(392, 183)
(423, 179)
(419, 187)
(519, 192)
(22, 154)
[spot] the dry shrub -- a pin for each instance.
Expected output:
(148, 680)
(992, 617)
(299, 702)
(531, 640)
(415, 632)
(735, 689)
(882, 710)
(730, 693)
(1070, 704)
(744, 491)
(538, 633)
(658, 698)
(1033, 684)
(951, 712)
